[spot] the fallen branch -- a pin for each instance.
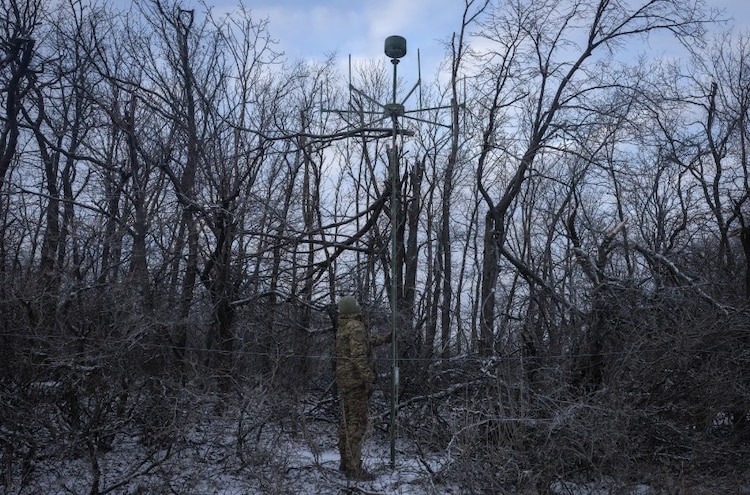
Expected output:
(679, 274)
(437, 395)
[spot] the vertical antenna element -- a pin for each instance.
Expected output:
(419, 77)
(350, 83)
(464, 103)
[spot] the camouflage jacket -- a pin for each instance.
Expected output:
(354, 367)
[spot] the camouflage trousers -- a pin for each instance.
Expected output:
(352, 428)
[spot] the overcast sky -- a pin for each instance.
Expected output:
(359, 27)
(313, 28)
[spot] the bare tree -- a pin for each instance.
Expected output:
(472, 11)
(530, 40)
(19, 20)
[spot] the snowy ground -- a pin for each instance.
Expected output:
(287, 468)
(244, 452)
(226, 456)
(209, 463)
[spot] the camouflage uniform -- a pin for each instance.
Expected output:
(354, 377)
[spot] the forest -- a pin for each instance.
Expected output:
(560, 240)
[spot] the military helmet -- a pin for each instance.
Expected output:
(348, 305)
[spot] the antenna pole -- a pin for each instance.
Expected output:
(395, 77)
(395, 49)
(395, 187)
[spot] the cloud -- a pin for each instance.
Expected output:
(313, 29)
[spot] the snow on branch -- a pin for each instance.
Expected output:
(680, 275)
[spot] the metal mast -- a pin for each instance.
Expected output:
(395, 48)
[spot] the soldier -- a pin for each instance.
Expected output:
(354, 377)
